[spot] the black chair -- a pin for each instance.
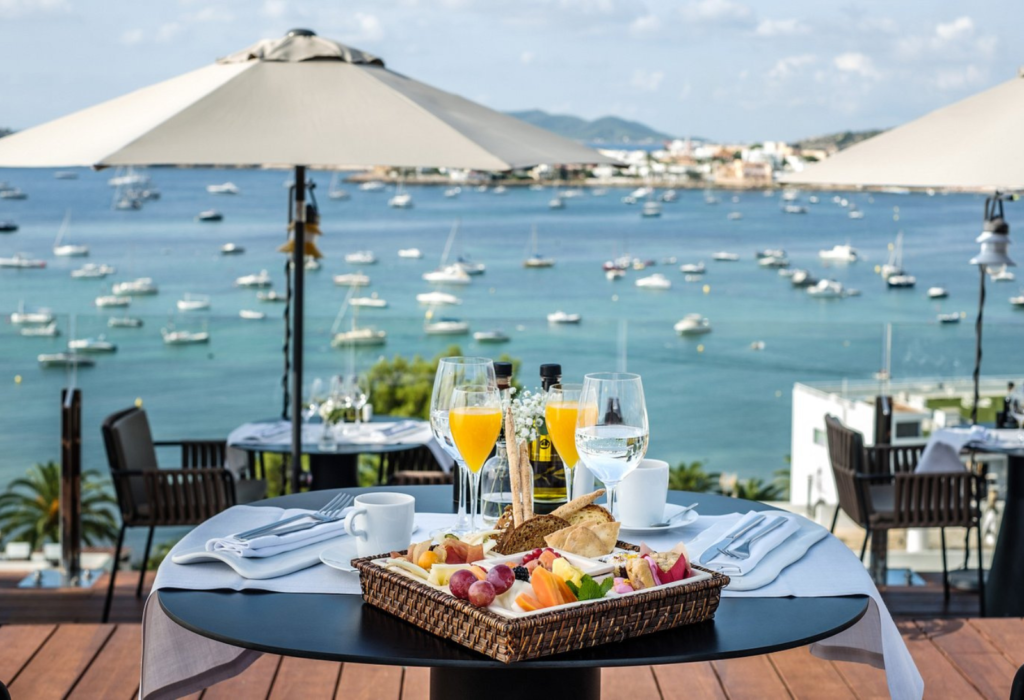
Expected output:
(4, 695)
(879, 490)
(416, 467)
(152, 497)
(1017, 690)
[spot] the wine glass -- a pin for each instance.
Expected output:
(341, 393)
(317, 395)
(474, 420)
(453, 372)
(1015, 407)
(360, 391)
(611, 427)
(560, 412)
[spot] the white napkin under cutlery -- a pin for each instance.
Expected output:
(758, 550)
(270, 544)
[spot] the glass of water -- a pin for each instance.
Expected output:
(611, 427)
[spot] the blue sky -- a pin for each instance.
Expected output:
(726, 69)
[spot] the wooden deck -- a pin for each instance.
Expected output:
(963, 659)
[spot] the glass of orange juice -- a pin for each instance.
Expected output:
(474, 420)
(561, 411)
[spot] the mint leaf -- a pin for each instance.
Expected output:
(589, 589)
(572, 587)
(606, 586)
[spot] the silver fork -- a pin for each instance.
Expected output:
(742, 550)
(325, 514)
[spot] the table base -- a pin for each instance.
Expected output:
(1005, 578)
(515, 682)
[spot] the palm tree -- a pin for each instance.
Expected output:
(30, 508)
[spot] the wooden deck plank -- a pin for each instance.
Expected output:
(254, 682)
(866, 682)
(981, 664)
(1004, 633)
(807, 676)
(19, 643)
(366, 682)
(941, 678)
(114, 673)
(752, 678)
(689, 681)
(416, 683)
(61, 661)
(305, 678)
(628, 683)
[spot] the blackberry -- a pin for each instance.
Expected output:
(522, 573)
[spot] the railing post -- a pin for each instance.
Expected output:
(71, 484)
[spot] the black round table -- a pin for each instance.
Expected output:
(342, 628)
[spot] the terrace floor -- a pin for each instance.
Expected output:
(961, 658)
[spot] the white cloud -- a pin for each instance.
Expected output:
(954, 39)
(211, 14)
(132, 37)
(959, 78)
(790, 65)
(646, 24)
(647, 81)
(167, 31)
(781, 27)
(951, 31)
(363, 28)
(274, 8)
(856, 63)
(526, 58)
(715, 11)
(10, 9)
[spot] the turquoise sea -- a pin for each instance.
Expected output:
(712, 398)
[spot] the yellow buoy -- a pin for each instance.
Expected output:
(707, 289)
(138, 402)
(17, 379)
(700, 348)
(778, 394)
(615, 297)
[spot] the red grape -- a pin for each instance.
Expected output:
(481, 594)
(460, 582)
(501, 577)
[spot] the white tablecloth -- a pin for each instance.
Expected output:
(176, 662)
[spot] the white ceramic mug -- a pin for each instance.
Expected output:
(641, 496)
(387, 522)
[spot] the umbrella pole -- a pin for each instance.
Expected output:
(298, 303)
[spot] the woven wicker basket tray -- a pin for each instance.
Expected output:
(543, 634)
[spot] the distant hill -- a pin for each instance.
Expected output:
(606, 129)
(837, 141)
(4, 132)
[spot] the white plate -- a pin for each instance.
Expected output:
(670, 510)
(340, 555)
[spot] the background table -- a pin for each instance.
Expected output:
(343, 628)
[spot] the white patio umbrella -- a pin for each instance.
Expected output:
(298, 101)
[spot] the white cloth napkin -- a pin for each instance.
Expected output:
(942, 453)
(781, 536)
(269, 545)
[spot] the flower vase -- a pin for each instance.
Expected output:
(327, 442)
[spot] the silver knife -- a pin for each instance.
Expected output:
(727, 541)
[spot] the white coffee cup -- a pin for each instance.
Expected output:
(386, 519)
(641, 496)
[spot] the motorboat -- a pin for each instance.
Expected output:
(651, 209)
(1001, 274)
(855, 214)
(438, 299)
(13, 193)
(813, 199)
(124, 322)
(92, 271)
(209, 216)
(500, 189)
(64, 359)
(614, 274)
(773, 262)
(260, 279)
(272, 297)
(225, 188)
(490, 337)
(231, 249)
(193, 302)
(629, 199)
(770, 253)
(373, 302)
(112, 301)
(670, 260)
(599, 192)
(352, 279)
(640, 193)
(537, 187)
(693, 268)
(655, 281)
(1018, 301)
(50, 330)
(734, 216)
(411, 253)
(794, 209)
(359, 337)
(693, 324)
(826, 289)
(311, 264)
(128, 202)
(8, 227)
(128, 177)
(25, 318)
(786, 272)
(452, 192)
(802, 278)
(901, 281)
(723, 256)
(446, 326)
(402, 200)
(621, 263)
(22, 261)
(560, 317)
(67, 250)
(94, 346)
(790, 195)
(535, 259)
(143, 286)
(572, 193)
(482, 188)
(839, 253)
(948, 318)
(669, 196)
(251, 315)
(372, 186)
(470, 267)
(361, 257)
(556, 203)
(757, 345)
(172, 337)
(65, 175)
(710, 199)
(937, 293)
(450, 274)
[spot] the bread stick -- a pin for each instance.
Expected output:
(513, 469)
